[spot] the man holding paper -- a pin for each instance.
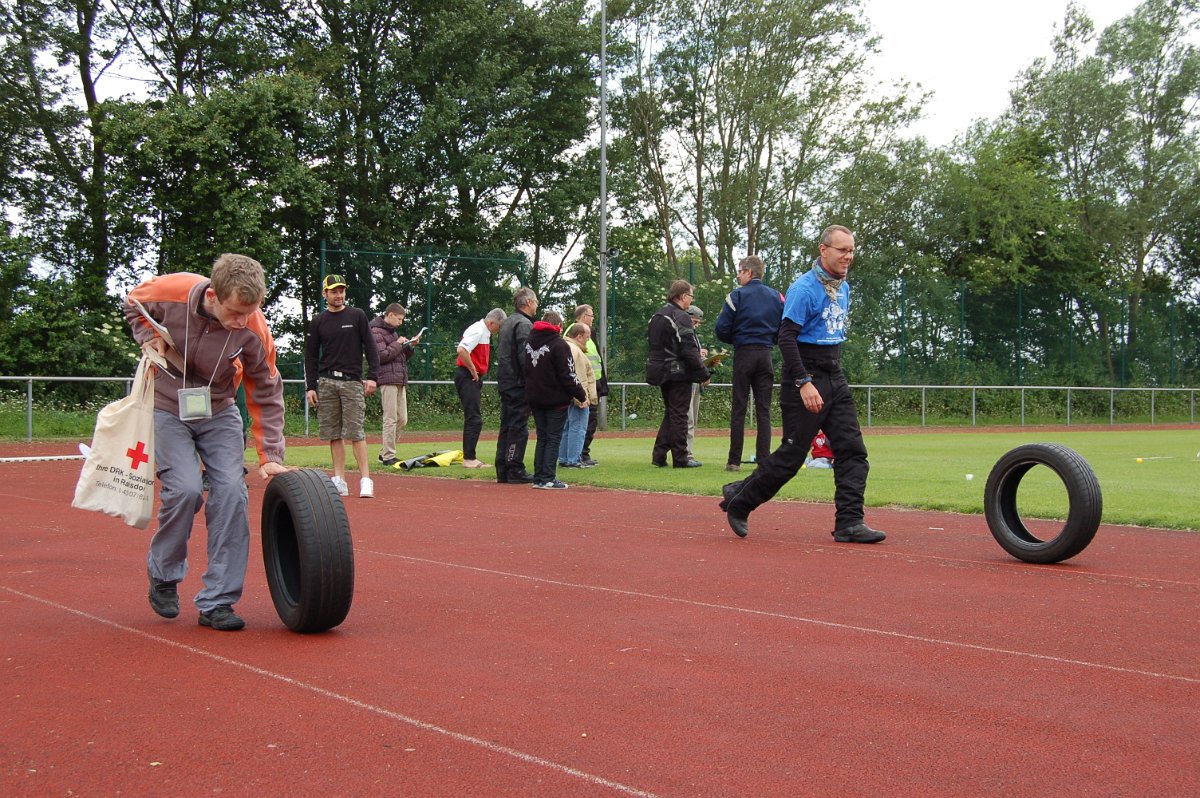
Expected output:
(394, 351)
(213, 334)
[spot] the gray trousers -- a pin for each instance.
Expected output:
(693, 414)
(178, 449)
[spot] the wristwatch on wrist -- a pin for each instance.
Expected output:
(807, 378)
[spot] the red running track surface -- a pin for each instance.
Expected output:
(511, 642)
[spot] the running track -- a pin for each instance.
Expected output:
(510, 642)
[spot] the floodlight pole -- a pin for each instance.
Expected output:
(603, 336)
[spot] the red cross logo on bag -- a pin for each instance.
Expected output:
(137, 456)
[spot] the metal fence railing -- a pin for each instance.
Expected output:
(879, 405)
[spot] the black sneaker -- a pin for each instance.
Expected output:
(859, 533)
(164, 598)
(738, 524)
(552, 485)
(389, 462)
(689, 463)
(222, 618)
(589, 461)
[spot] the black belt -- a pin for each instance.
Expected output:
(339, 375)
(821, 358)
(753, 347)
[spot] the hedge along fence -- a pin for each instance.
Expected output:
(942, 405)
(433, 405)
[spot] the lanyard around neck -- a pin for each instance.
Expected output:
(186, 335)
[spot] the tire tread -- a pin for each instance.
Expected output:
(325, 560)
(1085, 503)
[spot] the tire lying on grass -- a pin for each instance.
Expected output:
(307, 550)
(1084, 500)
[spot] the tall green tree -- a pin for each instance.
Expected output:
(48, 47)
(222, 172)
(742, 112)
(1122, 115)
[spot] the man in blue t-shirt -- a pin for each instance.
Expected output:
(814, 395)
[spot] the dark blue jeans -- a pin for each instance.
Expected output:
(549, 422)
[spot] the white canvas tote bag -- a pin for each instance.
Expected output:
(118, 472)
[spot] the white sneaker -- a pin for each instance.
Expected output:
(342, 488)
(366, 488)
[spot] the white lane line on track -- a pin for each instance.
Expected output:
(495, 748)
(800, 619)
(41, 458)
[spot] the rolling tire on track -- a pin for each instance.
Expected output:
(1084, 500)
(307, 550)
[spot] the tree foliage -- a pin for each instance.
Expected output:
(739, 114)
(450, 146)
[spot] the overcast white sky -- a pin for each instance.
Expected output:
(968, 52)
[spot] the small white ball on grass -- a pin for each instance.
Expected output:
(970, 477)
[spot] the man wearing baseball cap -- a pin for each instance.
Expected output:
(338, 339)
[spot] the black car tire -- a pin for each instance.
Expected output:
(307, 550)
(1084, 503)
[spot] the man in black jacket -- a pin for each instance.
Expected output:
(550, 384)
(510, 380)
(674, 364)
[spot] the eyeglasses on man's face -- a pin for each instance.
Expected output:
(843, 250)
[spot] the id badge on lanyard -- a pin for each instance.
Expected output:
(195, 404)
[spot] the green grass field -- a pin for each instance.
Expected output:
(921, 470)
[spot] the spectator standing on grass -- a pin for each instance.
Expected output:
(694, 407)
(821, 455)
(474, 352)
(224, 342)
(586, 315)
(749, 320)
(550, 385)
(510, 382)
(339, 338)
(674, 363)
(571, 448)
(394, 351)
(814, 395)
